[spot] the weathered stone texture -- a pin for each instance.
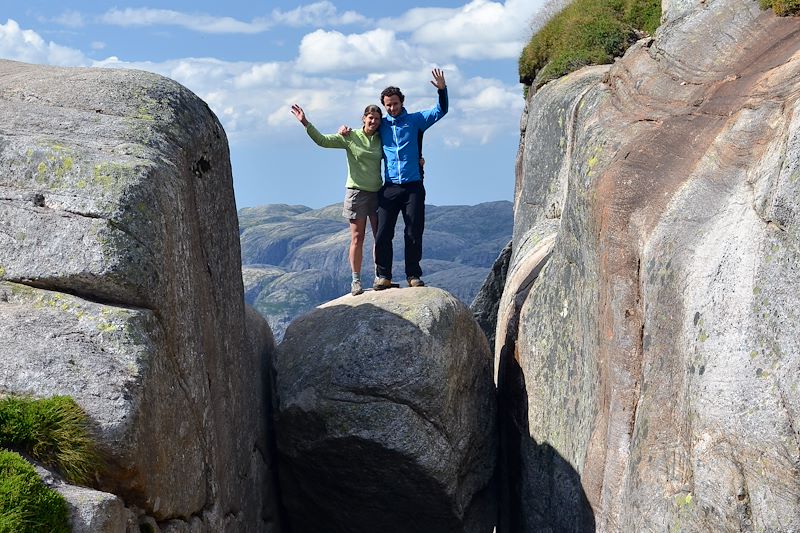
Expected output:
(657, 347)
(386, 416)
(92, 511)
(122, 286)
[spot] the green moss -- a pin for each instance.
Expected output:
(781, 7)
(144, 114)
(107, 327)
(55, 165)
(586, 32)
(41, 172)
(683, 500)
(53, 431)
(26, 504)
(101, 177)
(2, 271)
(108, 176)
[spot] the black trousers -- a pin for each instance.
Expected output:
(409, 199)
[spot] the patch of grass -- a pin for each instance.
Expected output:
(585, 32)
(53, 431)
(781, 7)
(27, 505)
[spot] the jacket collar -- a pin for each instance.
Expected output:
(390, 118)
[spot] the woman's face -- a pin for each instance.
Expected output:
(371, 122)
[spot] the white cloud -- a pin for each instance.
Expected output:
(197, 22)
(417, 17)
(259, 75)
(480, 29)
(415, 84)
(98, 45)
(485, 95)
(331, 51)
(71, 19)
(252, 99)
(317, 14)
(28, 46)
(452, 142)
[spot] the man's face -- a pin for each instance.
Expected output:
(392, 104)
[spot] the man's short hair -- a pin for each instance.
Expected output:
(393, 91)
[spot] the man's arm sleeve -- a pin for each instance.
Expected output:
(431, 116)
(443, 101)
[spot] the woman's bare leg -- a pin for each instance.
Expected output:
(358, 228)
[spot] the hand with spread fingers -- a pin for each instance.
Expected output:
(299, 114)
(438, 79)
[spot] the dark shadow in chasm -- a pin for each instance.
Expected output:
(539, 490)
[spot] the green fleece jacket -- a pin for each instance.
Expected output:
(363, 156)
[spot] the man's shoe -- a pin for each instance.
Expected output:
(355, 288)
(381, 283)
(414, 281)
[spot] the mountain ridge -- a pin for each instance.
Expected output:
(295, 257)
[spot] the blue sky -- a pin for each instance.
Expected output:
(251, 60)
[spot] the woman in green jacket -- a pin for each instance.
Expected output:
(364, 154)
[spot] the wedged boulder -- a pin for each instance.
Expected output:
(386, 417)
(121, 287)
(656, 352)
(484, 306)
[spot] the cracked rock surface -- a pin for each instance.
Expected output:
(120, 285)
(655, 353)
(386, 416)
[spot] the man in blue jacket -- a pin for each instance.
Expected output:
(403, 191)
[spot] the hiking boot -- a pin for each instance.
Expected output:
(355, 288)
(414, 281)
(381, 283)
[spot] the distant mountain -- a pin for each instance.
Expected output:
(295, 258)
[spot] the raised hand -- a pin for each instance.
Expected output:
(438, 78)
(298, 112)
(344, 130)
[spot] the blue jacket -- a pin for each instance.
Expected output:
(399, 137)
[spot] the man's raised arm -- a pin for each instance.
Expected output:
(440, 110)
(441, 88)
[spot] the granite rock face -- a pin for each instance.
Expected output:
(648, 334)
(386, 418)
(121, 287)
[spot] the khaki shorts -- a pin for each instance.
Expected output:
(359, 204)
